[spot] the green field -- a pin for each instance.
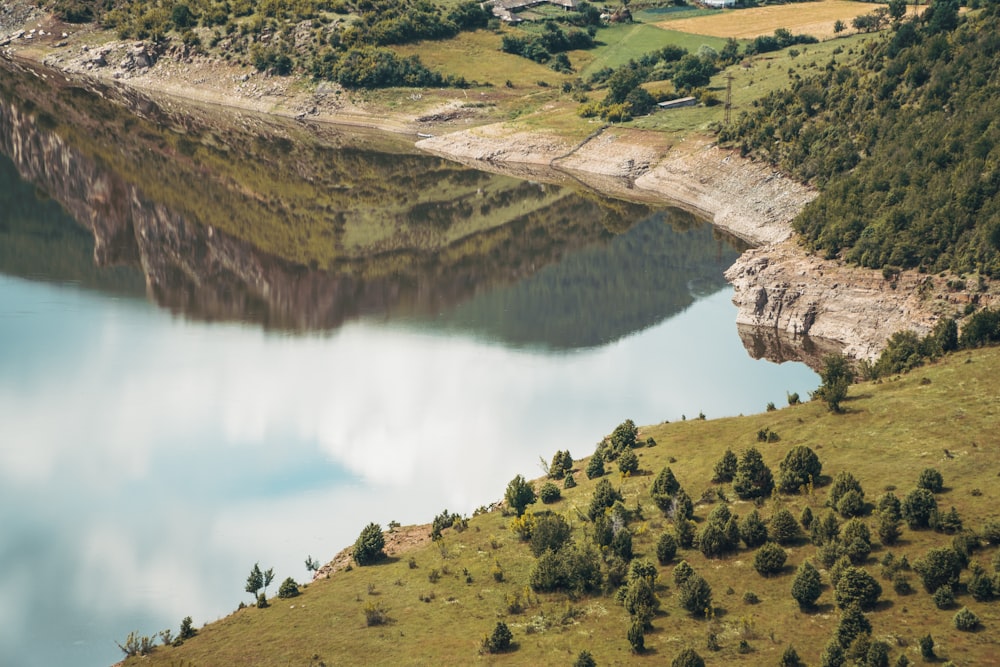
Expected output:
(442, 598)
(621, 43)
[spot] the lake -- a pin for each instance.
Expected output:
(229, 341)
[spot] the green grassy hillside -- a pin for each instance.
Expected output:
(442, 597)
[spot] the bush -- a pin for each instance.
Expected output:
(549, 493)
(807, 586)
(918, 507)
(637, 636)
(944, 598)
(664, 488)
(888, 504)
(695, 595)
(939, 567)
(887, 529)
(288, 589)
(753, 532)
(595, 466)
(684, 531)
(585, 659)
(628, 462)
(562, 464)
(725, 468)
(837, 376)
(981, 587)
(790, 658)
(569, 482)
(500, 641)
(368, 548)
(783, 527)
(769, 559)
(842, 483)
(852, 624)
(376, 613)
(687, 658)
(826, 530)
(519, 494)
(858, 587)
(857, 540)
(851, 504)
(666, 548)
(549, 531)
(799, 468)
(966, 620)
(927, 647)
(622, 438)
(604, 497)
(753, 478)
(930, 479)
(187, 629)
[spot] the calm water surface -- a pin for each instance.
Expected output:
(202, 398)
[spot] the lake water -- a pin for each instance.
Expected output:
(284, 338)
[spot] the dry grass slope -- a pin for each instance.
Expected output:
(440, 608)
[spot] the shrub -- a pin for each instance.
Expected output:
(725, 468)
(682, 572)
(288, 589)
(887, 529)
(628, 462)
(376, 613)
(695, 595)
(858, 587)
(918, 507)
(569, 482)
(966, 620)
(519, 494)
(753, 532)
(783, 528)
(852, 624)
(826, 530)
(562, 464)
(930, 479)
(595, 467)
(637, 636)
(938, 567)
(621, 544)
(664, 488)
(807, 585)
(981, 587)
(927, 647)
(851, 504)
(687, 658)
(585, 659)
(888, 504)
(666, 548)
(837, 376)
(842, 483)
(500, 641)
(604, 497)
(549, 493)
(790, 658)
(753, 478)
(944, 598)
(640, 600)
(684, 531)
(550, 531)
(368, 548)
(857, 540)
(799, 468)
(769, 559)
(187, 630)
(622, 438)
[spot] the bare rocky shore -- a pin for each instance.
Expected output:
(778, 286)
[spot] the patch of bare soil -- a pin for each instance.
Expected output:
(397, 541)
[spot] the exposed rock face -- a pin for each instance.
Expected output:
(780, 287)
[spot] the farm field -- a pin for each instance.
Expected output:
(809, 18)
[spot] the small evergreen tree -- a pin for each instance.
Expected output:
(783, 528)
(288, 589)
(684, 531)
(753, 532)
(695, 595)
(790, 658)
(889, 505)
(769, 559)
(500, 640)
(687, 658)
(753, 478)
(799, 468)
(930, 479)
(806, 517)
(826, 530)
(938, 567)
(851, 504)
(666, 548)
(852, 623)
(664, 488)
(585, 659)
(637, 636)
(725, 468)
(836, 377)
(807, 585)
(857, 540)
(569, 482)
(562, 464)
(624, 437)
(519, 494)
(966, 620)
(887, 528)
(842, 483)
(857, 587)
(187, 630)
(368, 548)
(605, 496)
(628, 462)
(595, 466)
(918, 507)
(944, 597)
(927, 647)
(549, 493)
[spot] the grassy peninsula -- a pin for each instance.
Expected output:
(433, 602)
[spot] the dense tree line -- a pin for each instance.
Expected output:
(905, 146)
(336, 40)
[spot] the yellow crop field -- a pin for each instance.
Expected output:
(804, 18)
